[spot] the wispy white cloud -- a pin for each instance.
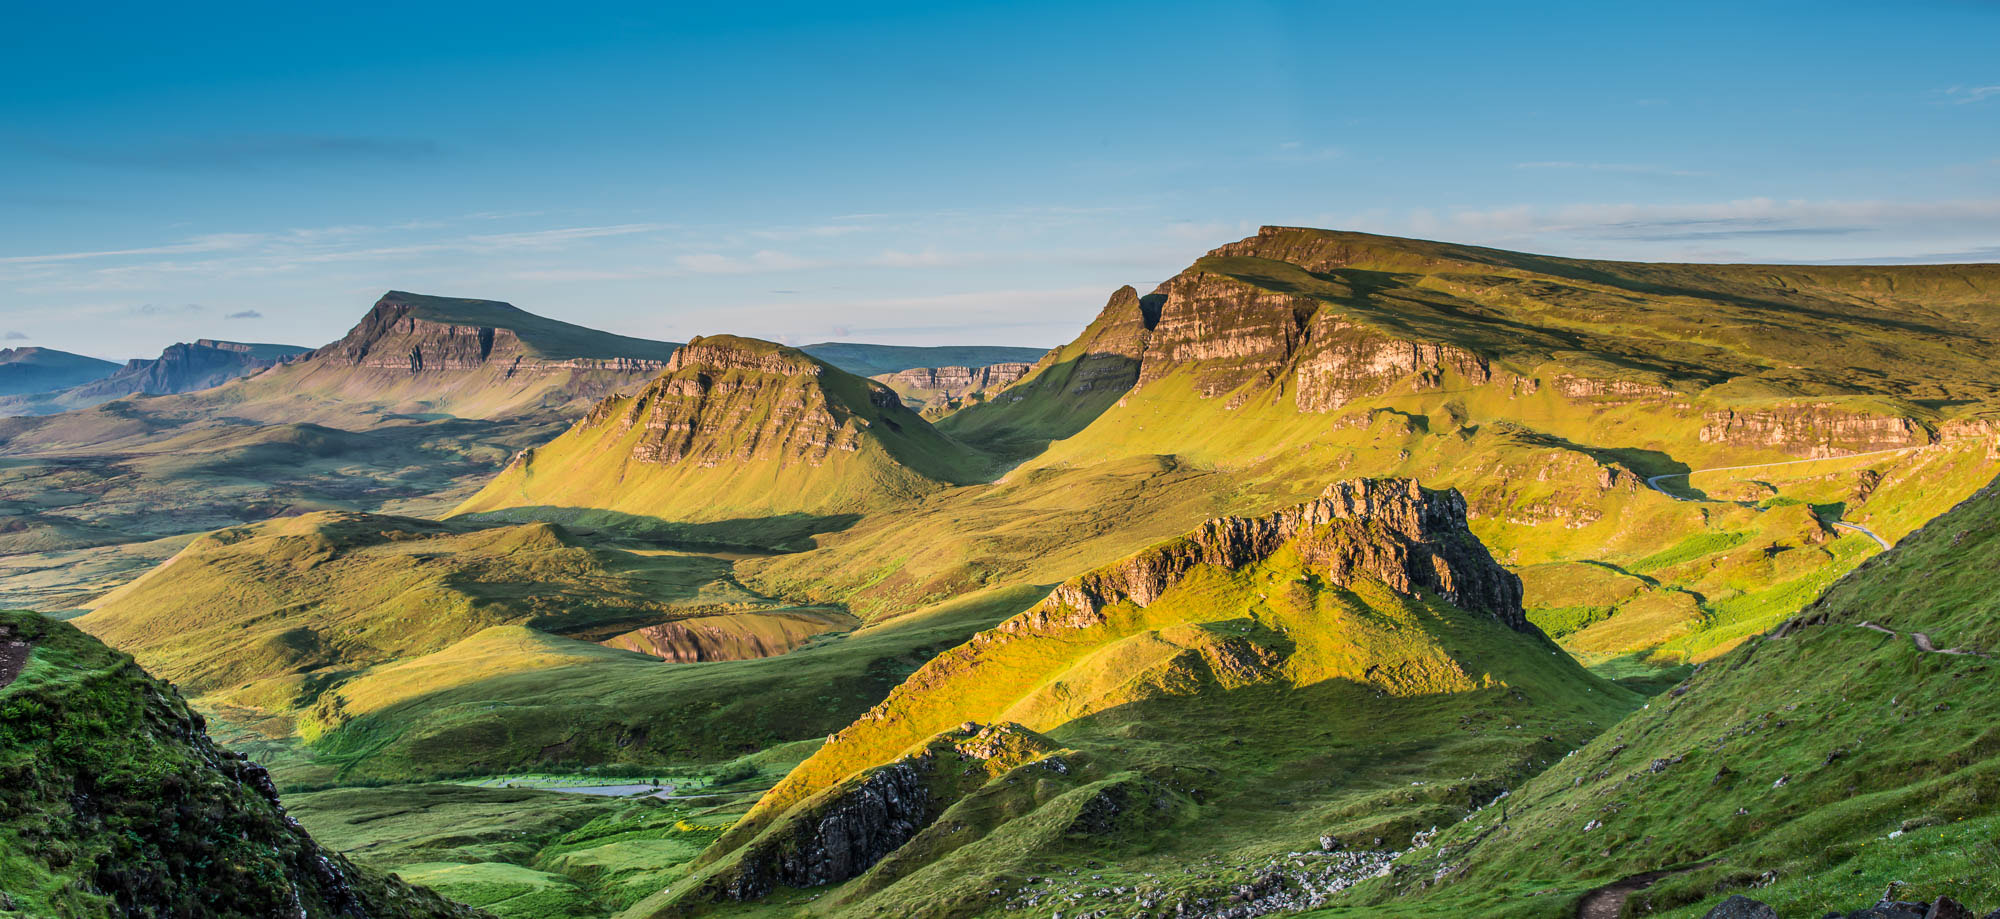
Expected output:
(562, 235)
(1966, 95)
(214, 242)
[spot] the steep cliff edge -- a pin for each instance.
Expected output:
(1318, 319)
(113, 801)
(735, 427)
(939, 391)
(1170, 687)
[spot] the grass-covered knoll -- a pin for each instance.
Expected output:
(114, 801)
(865, 360)
(1819, 762)
(736, 428)
(1230, 711)
(274, 614)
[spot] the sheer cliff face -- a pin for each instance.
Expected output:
(951, 382)
(187, 367)
(1317, 320)
(1815, 430)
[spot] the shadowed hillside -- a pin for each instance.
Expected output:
(115, 802)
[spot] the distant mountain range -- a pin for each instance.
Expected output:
(37, 370)
(181, 368)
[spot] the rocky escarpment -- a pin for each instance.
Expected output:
(114, 801)
(722, 400)
(1813, 430)
(952, 382)
(187, 367)
(415, 334)
(1392, 530)
(847, 829)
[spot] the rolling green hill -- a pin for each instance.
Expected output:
(114, 802)
(277, 615)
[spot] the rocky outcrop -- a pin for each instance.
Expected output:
(952, 382)
(845, 830)
(726, 399)
(1343, 361)
(1611, 392)
(1410, 538)
(1815, 430)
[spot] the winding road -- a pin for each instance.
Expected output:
(1653, 483)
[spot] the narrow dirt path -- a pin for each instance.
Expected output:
(1922, 642)
(1608, 902)
(13, 655)
(1653, 482)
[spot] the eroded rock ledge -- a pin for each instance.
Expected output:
(1408, 537)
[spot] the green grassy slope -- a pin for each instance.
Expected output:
(1819, 763)
(273, 615)
(114, 801)
(864, 360)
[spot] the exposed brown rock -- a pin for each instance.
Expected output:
(393, 337)
(952, 382)
(719, 401)
(1814, 430)
(1393, 530)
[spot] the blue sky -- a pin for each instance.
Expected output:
(929, 174)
